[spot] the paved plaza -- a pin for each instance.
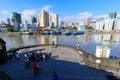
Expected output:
(66, 61)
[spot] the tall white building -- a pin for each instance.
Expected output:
(53, 20)
(108, 24)
(99, 26)
(117, 24)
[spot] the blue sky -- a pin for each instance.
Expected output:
(66, 9)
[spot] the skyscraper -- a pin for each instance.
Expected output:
(99, 25)
(17, 20)
(44, 19)
(112, 15)
(12, 21)
(87, 21)
(8, 21)
(17, 17)
(108, 24)
(116, 24)
(53, 20)
(33, 20)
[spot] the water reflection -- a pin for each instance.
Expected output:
(88, 42)
(107, 39)
(44, 39)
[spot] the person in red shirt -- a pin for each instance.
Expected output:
(35, 69)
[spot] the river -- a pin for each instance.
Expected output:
(88, 42)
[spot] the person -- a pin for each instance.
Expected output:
(26, 62)
(26, 55)
(78, 45)
(10, 56)
(44, 57)
(54, 76)
(17, 57)
(53, 44)
(35, 69)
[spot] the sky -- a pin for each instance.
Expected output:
(68, 10)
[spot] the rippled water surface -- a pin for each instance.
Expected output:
(88, 42)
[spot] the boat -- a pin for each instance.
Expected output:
(80, 32)
(74, 33)
(66, 33)
(46, 32)
(26, 33)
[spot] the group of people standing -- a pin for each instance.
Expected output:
(34, 57)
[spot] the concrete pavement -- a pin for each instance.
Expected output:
(64, 60)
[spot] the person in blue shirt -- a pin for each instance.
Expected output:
(55, 76)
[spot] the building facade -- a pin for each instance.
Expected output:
(53, 20)
(16, 19)
(8, 21)
(99, 26)
(108, 25)
(116, 24)
(44, 19)
(113, 15)
(87, 21)
(33, 20)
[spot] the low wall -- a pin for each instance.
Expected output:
(111, 65)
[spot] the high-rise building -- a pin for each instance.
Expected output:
(116, 24)
(8, 21)
(112, 15)
(53, 20)
(99, 26)
(44, 19)
(17, 20)
(12, 21)
(33, 20)
(17, 17)
(87, 21)
(108, 24)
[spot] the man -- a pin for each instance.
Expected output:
(26, 62)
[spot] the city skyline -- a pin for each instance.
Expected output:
(68, 11)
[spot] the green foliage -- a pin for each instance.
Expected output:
(73, 28)
(11, 29)
(90, 28)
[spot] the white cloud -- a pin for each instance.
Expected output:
(4, 12)
(26, 14)
(81, 16)
(78, 17)
(101, 16)
(47, 8)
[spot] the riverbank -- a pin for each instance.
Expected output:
(65, 60)
(100, 32)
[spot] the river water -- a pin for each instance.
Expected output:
(88, 42)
